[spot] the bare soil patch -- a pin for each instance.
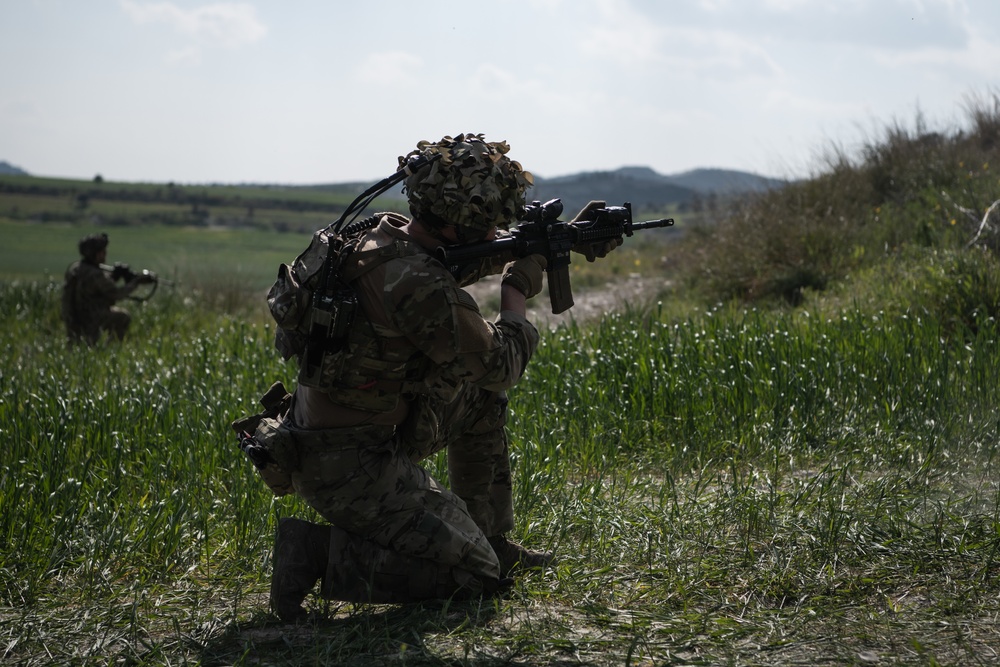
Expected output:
(635, 290)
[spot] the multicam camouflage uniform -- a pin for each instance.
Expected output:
(427, 372)
(418, 370)
(88, 303)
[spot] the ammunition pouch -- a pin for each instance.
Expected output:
(267, 443)
(322, 324)
(329, 324)
(313, 305)
(288, 301)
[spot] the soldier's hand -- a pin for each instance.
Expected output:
(592, 251)
(121, 272)
(588, 211)
(525, 274)
(147, 277)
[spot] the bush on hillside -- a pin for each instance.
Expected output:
(908, 188)
(958, 288)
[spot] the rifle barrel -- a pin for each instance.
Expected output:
(653, 224)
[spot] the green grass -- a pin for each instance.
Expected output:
(68, 189)
(121, 204)
(791, 460)
(192, 256)
(242, 263)
(736, 487)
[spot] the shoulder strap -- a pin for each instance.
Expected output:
(364, 261)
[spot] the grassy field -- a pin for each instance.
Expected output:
(790, 459)
(238, 265)
(191, 256)
(737, 487)
(60, 193)
(126, 204)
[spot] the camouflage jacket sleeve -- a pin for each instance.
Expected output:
(95, 289)
(444, 322)
(487, 266)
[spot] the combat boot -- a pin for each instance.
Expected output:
(301, 552)
(513, 556)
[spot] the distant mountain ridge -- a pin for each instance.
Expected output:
(647, 189)
(10, 170)
(643, 187)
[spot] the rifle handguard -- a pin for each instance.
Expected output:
(543, 234)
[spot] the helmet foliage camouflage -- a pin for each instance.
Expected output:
(89, 246)
(474, 184)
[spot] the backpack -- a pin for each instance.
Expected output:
(312, 302)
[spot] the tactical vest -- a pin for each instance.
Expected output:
(363, 367)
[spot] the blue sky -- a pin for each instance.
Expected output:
(312, 91)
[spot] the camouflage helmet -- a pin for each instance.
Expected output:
(474, 185)
(89, 246)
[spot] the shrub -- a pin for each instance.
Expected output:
(957, 288)
(907, 188)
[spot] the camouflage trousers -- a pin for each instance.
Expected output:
(472, 429)
(367, 481)
(114, 320)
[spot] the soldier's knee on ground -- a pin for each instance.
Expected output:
(118, 322)
(359, 570)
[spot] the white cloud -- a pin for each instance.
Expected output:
(899, 24)
(19, 109)
(722, 55)
(548, 6)
(389, 67)
(190, 55)
(712, 6)
(630, 46)
(792, 103)
(980, 54)
(491, 84)
(786, 5)
(664, 45)
(229, 24)
(622, 35)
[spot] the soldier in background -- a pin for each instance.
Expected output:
(90, 292)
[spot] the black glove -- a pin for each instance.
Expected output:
(525, 274)
(594, 250)
(122, 272)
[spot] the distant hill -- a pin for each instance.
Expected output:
(643, 187)
(724, 181)
(10, 170)
(647, 189)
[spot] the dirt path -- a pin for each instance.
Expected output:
(635, 290)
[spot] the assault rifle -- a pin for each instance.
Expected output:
(122, 271)
(541, 232)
